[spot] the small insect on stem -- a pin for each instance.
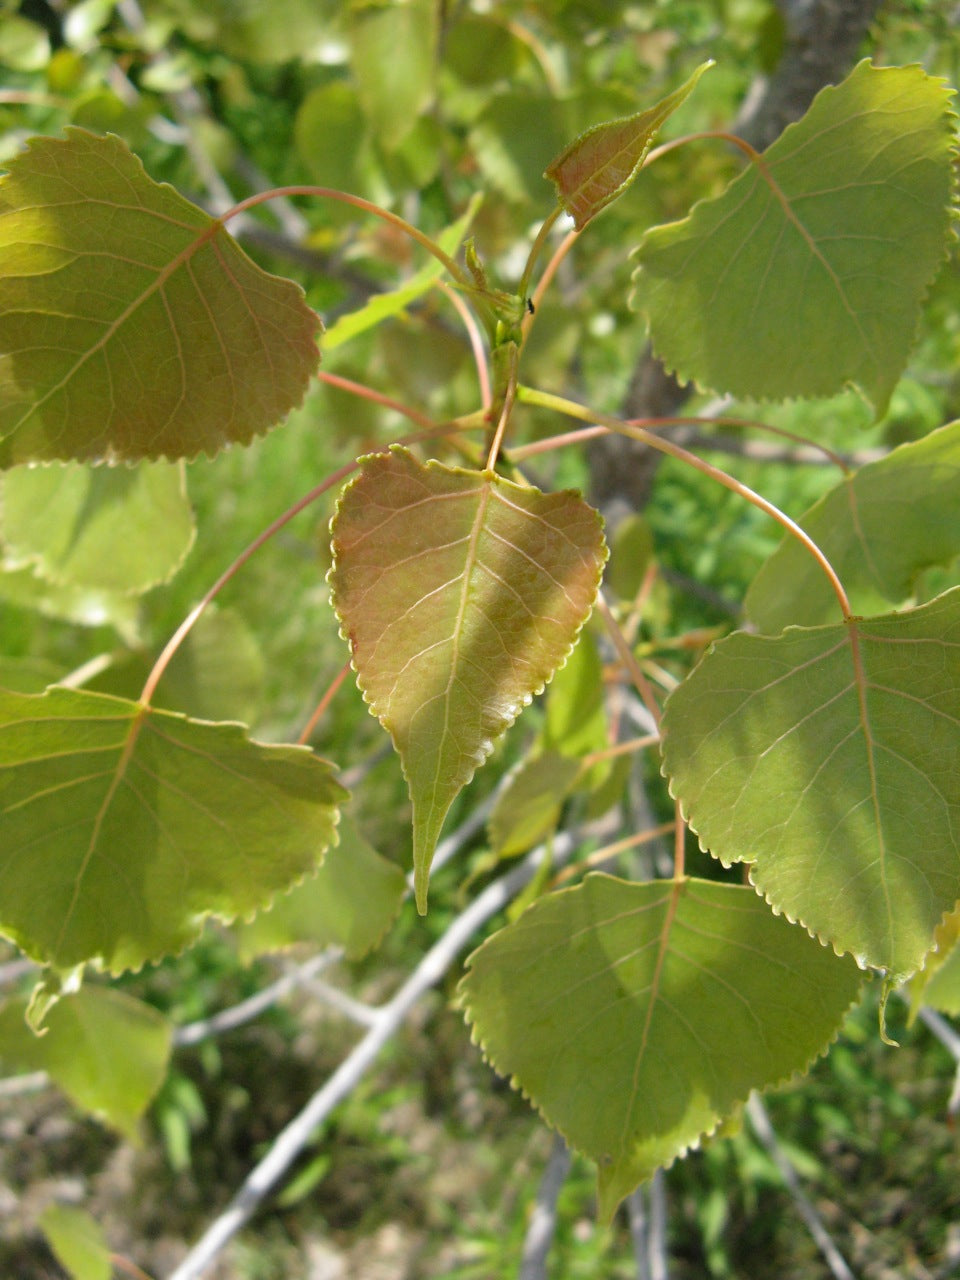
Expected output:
(530, 307)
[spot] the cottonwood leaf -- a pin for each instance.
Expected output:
(393, 302)
(123, 827)
(828, 759)
(877, 530)
(636, 1017)
(131, 324)
(350, 903)
(460, 594)
(529, 809)
(393, 56)
(85, 606)
(105, 1050)
(598, 166)
(78, 1242)
(808, 272)
(119, 529)
(938, 983)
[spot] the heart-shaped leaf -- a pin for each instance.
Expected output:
(598, 166)
(123, 827)
(131, 325)
(460, 594)
(105, 1050)
(808, 272)
(828, 759)
(637, 1016)
(876, 529)
(119, 529)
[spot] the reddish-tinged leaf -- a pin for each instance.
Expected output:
(460, 594)
(131, 324)
(604, 160)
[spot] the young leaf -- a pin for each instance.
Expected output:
(808, 272)
(122, 827)
(876, 529)
(599, 165)
(350, 902)
(460, 594)
(77, 1241)
(826, 758)
(637, 1016)
(132, 325)
(115, 528)
(105, 1050)
(394, 302)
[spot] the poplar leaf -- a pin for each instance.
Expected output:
(123, 827)
(827, 758)
(529, 809)
(877, 531)
(105, 1050)
(131, 324)
(599, 165)
(77, 1241)
(460, 594)
(636, 1017)
(117, 529)
(350, 903)
(808, 272)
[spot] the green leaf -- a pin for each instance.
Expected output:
(393, 302)
(529, 809)
(938, 982)
(808, 272)
(827, 759)
(393, 56)
(878, 530)
(132, 325)
(24, 45)
(123, 827)
(77, 1241)
(460, 594)
(350, 902)
(105, 1050)
(599, 165)
(85, 606)
(114, 528)
(637, 1016)
(514, 137)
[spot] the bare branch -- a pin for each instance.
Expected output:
(760, 1122)
(543, 1220)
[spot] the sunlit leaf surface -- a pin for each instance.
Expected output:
(119, 529)
(122, 827)
(460, 594)
(105, 1050)
(637, 1016)
(808, 271)
(602, 162)
(829, 759)
(131, 324)
(879, 530)
(78, 1242)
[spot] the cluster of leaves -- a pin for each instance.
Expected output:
(819, 748)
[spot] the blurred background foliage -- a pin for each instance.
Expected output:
(430, 1168)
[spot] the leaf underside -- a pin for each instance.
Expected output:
(808, 272)
(876, 528)
(123, 827)
(131, 324)
(637, 1016)
(460, 594)
(829, 759)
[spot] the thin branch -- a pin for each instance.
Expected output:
(657, 1240)
(760, 1123)
(543, 1220)
(291, 1141)
(229, 1019)
(637, 1219)
(951, 1042)
(30, 1082)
